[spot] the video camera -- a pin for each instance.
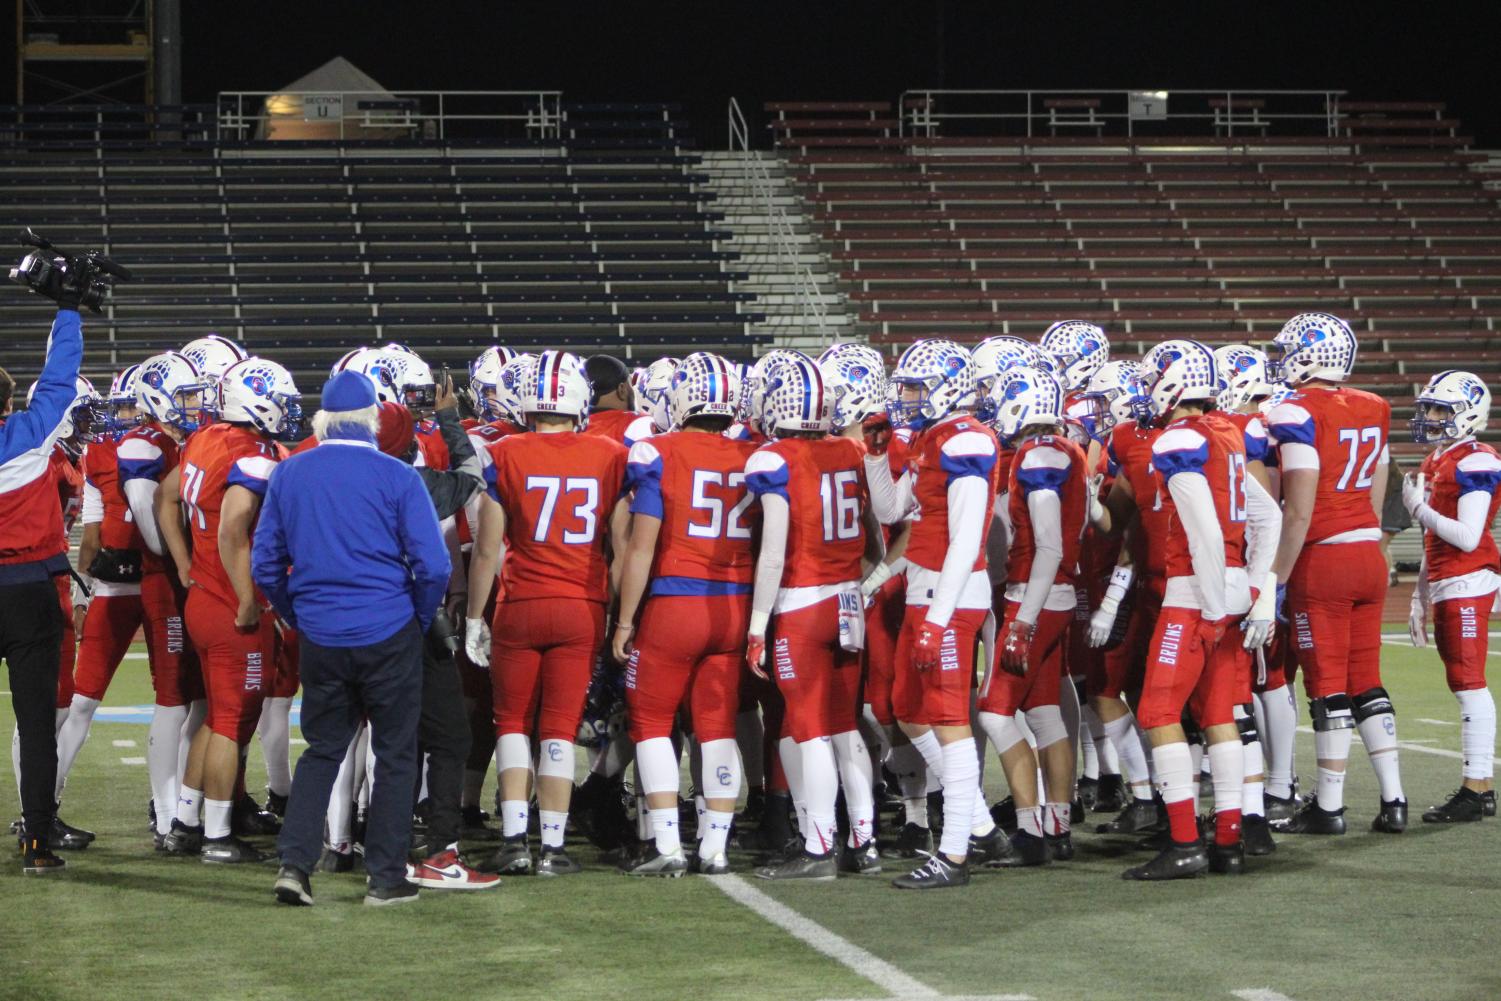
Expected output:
(48, 271)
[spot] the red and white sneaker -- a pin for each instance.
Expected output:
(446, 871)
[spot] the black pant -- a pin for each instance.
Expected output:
(339, 686)
(31, 641)
(444, 736)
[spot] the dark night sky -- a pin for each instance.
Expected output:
(702, 53)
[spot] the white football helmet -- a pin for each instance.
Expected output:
(507, 401)
(993, 356)
(378, 365)
(651, 391)
(1243, 375)
(942, 372)
(855, 376)
(834, 349)
(556, 384)
(87, 417)
(414, 382)
(212, 355)
(484, 375)
(702, 386)
(1078, 349)
(124, 410)
(170, 389)
(1452, 406)
(753, 387)
(1315, 346)
(1180, 371)
(262, 394)
(795, 399)
(1116, 393)
(1025, 396)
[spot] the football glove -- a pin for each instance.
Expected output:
(878, 576)
(1257, 624)
(1102, 622)
(1092, 491)
(1414, 492)
(929, 644)
(1016, 647)
(1417, 622)
(755, 654)
(477, 642)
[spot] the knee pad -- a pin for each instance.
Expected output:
(1047, 725)
(1332, 712)
(1372, 702)
(1002, 731)
(721, 769)
(1245, 722)
(513, 750)
(556, 760)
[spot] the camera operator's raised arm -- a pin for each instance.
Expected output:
(31, 432)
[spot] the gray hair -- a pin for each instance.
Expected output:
(329, 423)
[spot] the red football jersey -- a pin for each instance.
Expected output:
(1048, 462)
(558, 491)
(1212, 447)
(430, 444)
(150, 453)
(695, 483)
(956, 446)
(1452, 473)
(1347, 429)
(1130, 449)
(610, 423)
(1253, 432)
(69, 480)
(823, 482)
(1098, 553)
(213, 460)
(117, 529)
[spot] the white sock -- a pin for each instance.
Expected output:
(1029, 820)
(1133, 759)
(912, 782)
(1277, 723)
(275, 731)
(15, 758)
(713, 832)
(858, 781)
(216, 814)
(1477, 732)
(980, 825)
(1379, 734)
(657, 766)
(189, 803)
(961, 783)
(1252, 803)
(75, 730)
(514, 814)
(1109, 761)
(554, 825)
(820, 789)
(1175, 772)
(1332, 745)
(341, 799)
(197, 713)
(664, 829)
(1056, 818)
(1227, 766)
(161, 764)
(792, 768)
(877, 738)
(932, 753)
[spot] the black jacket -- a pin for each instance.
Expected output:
(452, 488)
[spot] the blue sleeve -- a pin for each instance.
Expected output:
(268, 555)
(141, 469)
(769, 481)
(1301, 433)
(959, 466)
(1044, 478)
(55, 389)
(1181, 460)
(422, 545)
(1484, 480)
(238, 478)
(1256, 448)
(492, 477)
(646, 480)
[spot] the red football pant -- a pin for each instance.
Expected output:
(883, 626)
(1184, 670)
(939, 697)
(288, 664)
(110, 625)
(1046, 661)
(70, 643)
(1336, 594)
(819, 679)
(1460, 631)
(235, 664)
(541, 657)
(1125, 665)
(693, 649)
(1281, 656)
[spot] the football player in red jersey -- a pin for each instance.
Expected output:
(215, 494)
(1455, 498)
(169, 390)
(948, 491)
(691, 549)
(1332, 450)
(812, 492)
(1195, 660)
(1048, 512)
(611, 408)
(554, 498)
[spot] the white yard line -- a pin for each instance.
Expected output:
(841, 950)
(1436, 722)
(132, 761)
(1260, 994)
(1408, 745)
(123, 743)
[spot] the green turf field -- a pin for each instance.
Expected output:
(1365, 916)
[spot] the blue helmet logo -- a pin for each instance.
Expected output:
(1243, 363)
(257, 384)
(953, 365)
(858, 372)
(1016, 388)
(1088, 346)
(1312, 337)
(1474, 391)
(1166, 358)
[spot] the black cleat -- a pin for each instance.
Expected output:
(865, 860)
(935, 874)
(719, 865)
(335, 860)
(37, 859)
(911, 843)
(991, 851)
(182, 839)
(69, 838)
(654, 863)
(1138, 817)
(229, 851)
(790, 849)
(1392, 819)
(512, 858)
(556, 862)
(1227, 860)
(1075, 812)
(1466, 806)
(1111, 797)
(1060, 846)
(1256, 835)
(1280, 809)
(248, 819)
(1174, 862)
(1004, 814)
(1314, 819)
(805, 866)
(276, 804)
(775, 829)
(1026, 850)
(386, 896)
(1488, 798)
(1088, 791)
(293, 887)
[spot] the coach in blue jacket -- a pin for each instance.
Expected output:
(349, 552)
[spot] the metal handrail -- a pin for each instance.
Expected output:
(809, 292)
(240, 113)
(924, 118)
